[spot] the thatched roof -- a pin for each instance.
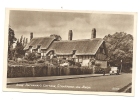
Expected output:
(67, 47)
(82, 47)
(44, 42)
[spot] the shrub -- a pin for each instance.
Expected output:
(26, 57)
(78, 64)
(47, 58)
(55, 61)
(46, 62)
(31, 62)
(71, 62)
(24, 61)
(11, 62)
(97, 64)
(61, 60)
(31, 56)
(43, 70)
(40, 61)
(98, 70)
(38, 56)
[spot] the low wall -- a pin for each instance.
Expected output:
(22, 71)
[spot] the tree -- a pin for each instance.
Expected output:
(24, 42)
(21, 39)
(57, 37)
(120, 47)
(11, 40)
(19, 49)
(31, 56)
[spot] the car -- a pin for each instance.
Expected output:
(114, 71)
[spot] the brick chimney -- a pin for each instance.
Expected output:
(70, 35)
(31, 35)
(93, 33)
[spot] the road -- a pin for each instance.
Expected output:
(108, 83)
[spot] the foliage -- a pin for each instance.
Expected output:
(31, 62)
(11, 62)
(54, 61)
(120, 47)
(43, 70)
(40, 61)
(24, 61)
(19, 49)
(77, 64)
(38, 56)
(99, 70)
(71, 62)
(31, 56)
(97, 64)
(11, 40)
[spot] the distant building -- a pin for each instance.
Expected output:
(79, 50)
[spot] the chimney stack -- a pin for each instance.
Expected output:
(70, 35)
(93, 33)
(31, 35)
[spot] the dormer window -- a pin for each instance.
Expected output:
(74, 51)
(74, 56)
(30, 49)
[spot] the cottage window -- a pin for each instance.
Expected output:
(85, 57)
(82, 57)
(76, 60)
(74, 51)
(80, 60)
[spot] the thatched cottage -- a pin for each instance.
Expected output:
(79, 50)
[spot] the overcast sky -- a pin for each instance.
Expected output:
(43, 23)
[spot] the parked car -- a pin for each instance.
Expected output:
(114, 71)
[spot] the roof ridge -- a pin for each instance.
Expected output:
(79, 40)
(41, 37)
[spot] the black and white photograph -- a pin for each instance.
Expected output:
(78, 52)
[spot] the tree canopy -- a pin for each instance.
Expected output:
(120, 47)
(18, 51)
(19, 48)
(11, 40)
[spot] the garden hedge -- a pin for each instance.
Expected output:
(40, 71)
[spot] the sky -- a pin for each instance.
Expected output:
(45, 23)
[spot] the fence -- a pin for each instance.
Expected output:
(23, 71)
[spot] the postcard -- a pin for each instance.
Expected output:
(75, 52)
